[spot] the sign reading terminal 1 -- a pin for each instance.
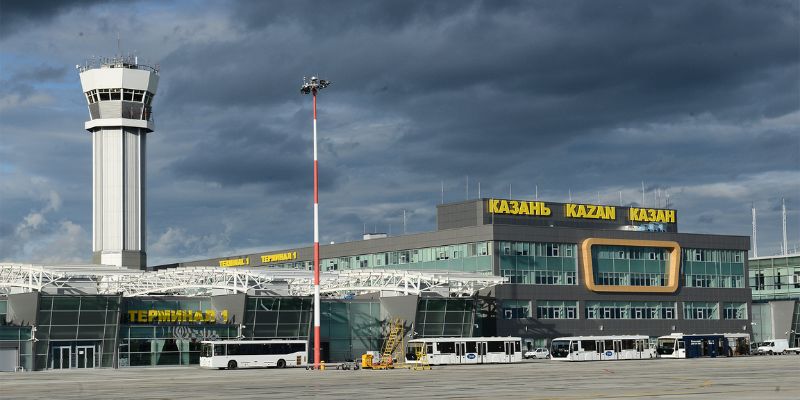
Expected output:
(176, 316)
(268, 258)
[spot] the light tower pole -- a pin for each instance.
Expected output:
(312, 86)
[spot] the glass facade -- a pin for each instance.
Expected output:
(630, 265)
(350, 328)
(20, 338)
(539, 263)
(158, 345)
(630, 310)
(556, 309)
(735, 310)
(713, 268)
(160, 331)
(775, 278)
(516, 309)
(76, 331)
(700, 310)
(467, 257)
(278, 317)
(445, 317)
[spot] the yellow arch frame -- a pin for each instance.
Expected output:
(672, 273)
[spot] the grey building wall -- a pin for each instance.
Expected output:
(22, 309)
(550, 328)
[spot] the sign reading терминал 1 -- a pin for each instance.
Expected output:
(579, 211)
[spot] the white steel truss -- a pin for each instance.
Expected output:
(199, 281)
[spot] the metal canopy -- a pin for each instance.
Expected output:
(203, 281)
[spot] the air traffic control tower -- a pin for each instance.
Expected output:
(120, 92)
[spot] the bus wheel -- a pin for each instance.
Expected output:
(281, 364)
(232, 364)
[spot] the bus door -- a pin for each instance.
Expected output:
(481, 352)
(461, 350)
(617, 349)
(599, 350)
(471, 354)
(680, 349)
(509, 347)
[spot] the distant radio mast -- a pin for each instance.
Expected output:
(755, 242)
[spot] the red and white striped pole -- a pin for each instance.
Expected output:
(316, 239)
(312, 86)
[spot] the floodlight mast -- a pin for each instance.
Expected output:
(312, 86)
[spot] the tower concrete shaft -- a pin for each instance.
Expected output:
(119, 92)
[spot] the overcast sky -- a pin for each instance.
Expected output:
(698, 99)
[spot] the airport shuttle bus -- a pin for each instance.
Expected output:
(476, 350)
(601, 348)
(679, 345)
(232, 354)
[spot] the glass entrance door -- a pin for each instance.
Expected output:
(63, 357)
(85, 356)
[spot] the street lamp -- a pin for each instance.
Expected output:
(312, 86)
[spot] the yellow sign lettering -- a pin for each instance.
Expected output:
(590, 211)
(636, 214)
(270, 258)
(176, 316)
(235, 262)
(518, 207)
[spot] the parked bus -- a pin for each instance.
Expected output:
(476, 350)
(679, 345)
(232, 354)
(601, 348)
(738, 343)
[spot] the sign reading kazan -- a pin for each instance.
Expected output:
(519, 207)
(590, 211)
(651, 215)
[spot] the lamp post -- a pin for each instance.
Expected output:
(312, 86)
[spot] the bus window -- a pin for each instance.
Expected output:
(446, 347)
(517, 346)
(628, 344)
(472, 347)
(207, 349)
(574, 346)
(219, 349)
(609, 344)
(429, 348)
(495, 346)
(588, 345)
(559, 348)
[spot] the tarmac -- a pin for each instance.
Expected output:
(763, 377)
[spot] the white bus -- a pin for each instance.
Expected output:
(475, 350)
(601, 348)
(232, 354)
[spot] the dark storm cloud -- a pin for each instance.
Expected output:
(248, 153)
(17, 15)
(524, 73)
(40, 74)
(697, 99)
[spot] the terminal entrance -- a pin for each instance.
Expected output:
(69, 356)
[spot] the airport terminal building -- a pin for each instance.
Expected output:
(493, 267)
